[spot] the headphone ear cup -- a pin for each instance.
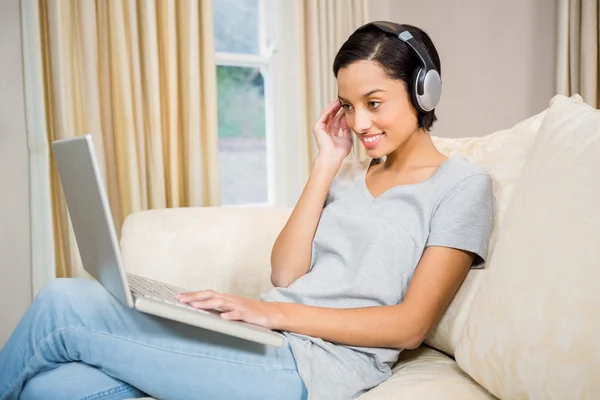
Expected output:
(431, 85)
(413, 89)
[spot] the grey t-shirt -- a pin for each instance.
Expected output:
(365, 252)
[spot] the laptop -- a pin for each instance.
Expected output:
(96, 238)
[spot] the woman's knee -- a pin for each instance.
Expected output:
(76, 380)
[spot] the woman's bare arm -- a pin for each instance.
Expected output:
(291, 255)
(435, 282)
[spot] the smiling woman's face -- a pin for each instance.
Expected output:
(378, 108)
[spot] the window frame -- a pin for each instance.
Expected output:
(285, 135)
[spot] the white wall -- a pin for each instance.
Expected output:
(498, 58)
(15, 266)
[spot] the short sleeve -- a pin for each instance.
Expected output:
(464, 217)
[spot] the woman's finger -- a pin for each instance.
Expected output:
(328, 112)
(345, 130)
(197, 296)
(332, 105)
(235, 315)
(213, 303)
(336, 123)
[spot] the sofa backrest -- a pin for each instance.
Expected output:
(503, 154)
(225, 249)
(533, 331)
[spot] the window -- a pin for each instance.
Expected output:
(245, 40)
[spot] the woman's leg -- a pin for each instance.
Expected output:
(77, 320)
(76, 380)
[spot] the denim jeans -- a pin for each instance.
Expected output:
(76, 341)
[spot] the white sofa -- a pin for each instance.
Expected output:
(527, 326)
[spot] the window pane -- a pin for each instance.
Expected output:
(236, 26)
(242, 146)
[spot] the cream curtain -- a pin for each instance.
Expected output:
(139, 76)
(577, 68)
(325, 25)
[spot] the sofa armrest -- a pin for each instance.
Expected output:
(221, 248)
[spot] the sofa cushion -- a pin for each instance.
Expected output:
(533, 330)
(425, 373)
(503, 154)
(227, 249)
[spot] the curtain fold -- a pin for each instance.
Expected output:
(325, 26)
(577, 49)
(139, 76)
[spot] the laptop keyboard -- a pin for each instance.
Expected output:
(155, 290)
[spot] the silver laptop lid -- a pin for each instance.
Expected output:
(90, 214)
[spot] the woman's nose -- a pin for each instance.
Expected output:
(362, 122)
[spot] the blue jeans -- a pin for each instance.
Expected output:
(76, 341)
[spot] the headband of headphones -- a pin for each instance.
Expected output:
(426, 87)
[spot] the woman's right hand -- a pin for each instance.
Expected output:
(332, 135)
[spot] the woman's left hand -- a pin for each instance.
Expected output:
(234, 307)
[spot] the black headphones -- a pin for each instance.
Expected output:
(426, 85)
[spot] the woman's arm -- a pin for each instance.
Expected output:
(291, 254)
(437, 278)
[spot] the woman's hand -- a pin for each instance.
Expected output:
(234, 307)
(333, 136)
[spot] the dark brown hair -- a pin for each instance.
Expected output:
(393, 55)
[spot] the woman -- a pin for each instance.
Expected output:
(364, 267)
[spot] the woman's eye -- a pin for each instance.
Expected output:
(373, 104)
(346, 107)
